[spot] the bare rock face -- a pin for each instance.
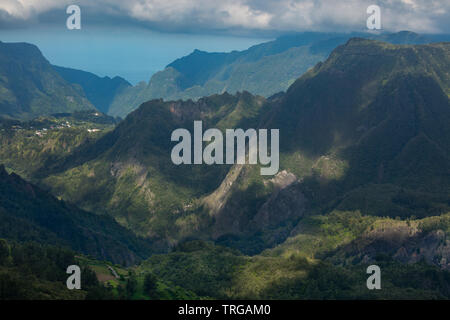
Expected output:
(285, 203)
(406, 244)
(433, 247)
(274, 216)
(216, 201)
(283, 179)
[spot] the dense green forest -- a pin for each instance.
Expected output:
(33, 271)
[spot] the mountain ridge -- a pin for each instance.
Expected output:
(264, 69)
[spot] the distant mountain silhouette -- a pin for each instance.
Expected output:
(100, 91)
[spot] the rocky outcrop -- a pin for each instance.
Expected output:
(404, 243)
(286, 203)
(273, 216)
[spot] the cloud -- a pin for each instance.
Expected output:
(252, 15)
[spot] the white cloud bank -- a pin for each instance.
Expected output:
(431, 16)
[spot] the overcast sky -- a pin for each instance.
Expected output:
(135, 38)
(237, 15)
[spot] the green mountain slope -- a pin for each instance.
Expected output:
(383, 119)
(137, 182)
(367, 130)
(30, 87)
(28, 145)
(99, 91)
(28, 213)
(32, 271)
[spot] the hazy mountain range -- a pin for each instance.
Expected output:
(264, 69)
(34, 87)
